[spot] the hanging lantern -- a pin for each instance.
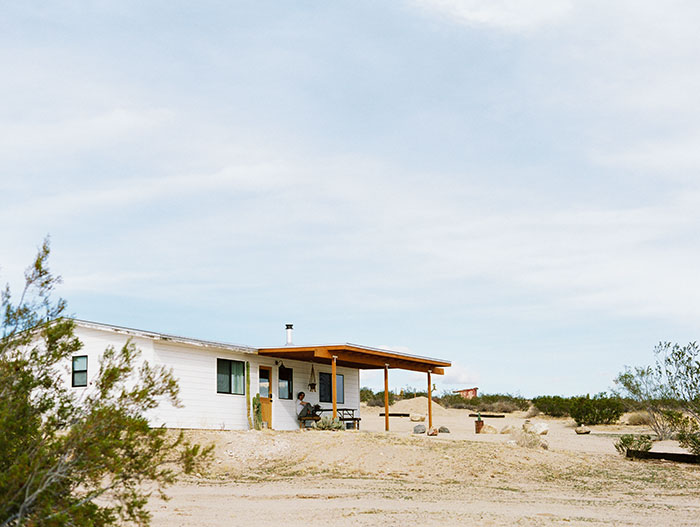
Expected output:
(312, 379)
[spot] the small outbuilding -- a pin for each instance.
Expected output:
(467, 393)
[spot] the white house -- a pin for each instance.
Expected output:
(212, 375)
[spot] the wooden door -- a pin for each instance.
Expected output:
(265, 390)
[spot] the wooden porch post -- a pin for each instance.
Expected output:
(386, 397)
(430, 402)
(334, 388)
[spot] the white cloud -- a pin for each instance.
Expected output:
(500, 14)
(459, 376)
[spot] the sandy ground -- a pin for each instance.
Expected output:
(370, 477)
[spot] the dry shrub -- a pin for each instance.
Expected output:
(532, 412)
(638, 418)
(529, 440)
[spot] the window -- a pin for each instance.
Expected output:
(230, 376)
(285, 383)
(79, 371)
(325, 390)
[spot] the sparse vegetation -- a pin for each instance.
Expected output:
(648, 388)
(552, 405)
(328, 423)
(497, 403)
(80, 461)
(632, 442)
(596, 410)
(378, 399)
(638, 418)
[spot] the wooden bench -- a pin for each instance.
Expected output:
(304, 421)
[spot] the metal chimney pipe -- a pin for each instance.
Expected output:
(290, 328)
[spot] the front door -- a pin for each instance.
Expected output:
(265, 389)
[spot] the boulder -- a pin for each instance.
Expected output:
(508, 429)
(444, 430)
(433, 432)
(419, 429)
(417, 417)
(488, 429)
(580, 430)
(536, 428)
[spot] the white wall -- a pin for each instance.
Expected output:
(195, 368)
(95, 342)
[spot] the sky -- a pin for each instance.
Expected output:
(512, 185)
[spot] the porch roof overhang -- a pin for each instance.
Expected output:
(356, 356)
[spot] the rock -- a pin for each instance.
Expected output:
(488, 429)
(417, 417)
(419, 429)
(540, 429)
(508, 429)
(536, 428)
(444, 430)
(433, 432)
(580, 430)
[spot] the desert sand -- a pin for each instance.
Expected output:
(371, 477)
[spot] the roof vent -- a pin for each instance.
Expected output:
(290, 328)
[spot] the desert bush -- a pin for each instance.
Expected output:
(532, 411)
(599, 409)
(638, 418)
(552, 405)
(378, 399)
(366, 394)
(497, 403)
(680, 367)
(632, 442)
(92, 460)
(411, 393)
(328, 423)
(648, 389)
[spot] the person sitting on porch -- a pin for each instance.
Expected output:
(305, 409)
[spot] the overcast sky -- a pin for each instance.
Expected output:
(512, 185)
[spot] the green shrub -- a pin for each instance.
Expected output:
(631, 442)
(379, 399)
(366, 394)
(552, 405)
(596, 410)
(328, 423)
(257, 412)
(498, 403)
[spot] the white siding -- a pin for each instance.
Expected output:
(195, 369)
(95, 342)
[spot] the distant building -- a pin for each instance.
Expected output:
(467, 393)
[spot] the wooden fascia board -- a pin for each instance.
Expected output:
(390, 355)
(359, 359)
